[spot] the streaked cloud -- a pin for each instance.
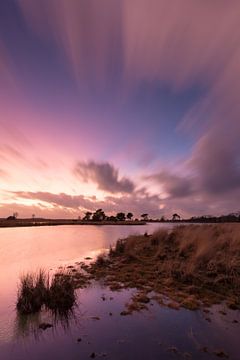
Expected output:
(216, 162)
(148, 89)
(137, 203)
(174, 185)
(105, 175)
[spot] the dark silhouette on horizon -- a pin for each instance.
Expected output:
(176, 217)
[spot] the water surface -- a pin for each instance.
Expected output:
(48, 247)
(160, 333)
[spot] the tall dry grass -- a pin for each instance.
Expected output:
(199, 254)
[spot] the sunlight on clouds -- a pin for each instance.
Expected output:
(87, 84)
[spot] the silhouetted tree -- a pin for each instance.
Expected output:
(87, 216)
(175, 217)
(144, 217)
(233, 217)
(11, 217)
(129, 215)
(162, 218)
(121, 216)
(99, 215)
(112, 218)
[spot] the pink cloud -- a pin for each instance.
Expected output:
(180, 44)
(74, 205)
(105, 175)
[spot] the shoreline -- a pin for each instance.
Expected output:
(4, 223)
(185, 266)
(32, 223)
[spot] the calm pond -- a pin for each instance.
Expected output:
(96, 328)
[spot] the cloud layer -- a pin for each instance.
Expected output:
(105, 176)
(75, 205)
(149, 89)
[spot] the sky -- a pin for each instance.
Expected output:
(128, 105)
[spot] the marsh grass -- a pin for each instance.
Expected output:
(32, 292)
(191, 264)
(190, 252)
(37, 290)
(61, 293)
(102, 260)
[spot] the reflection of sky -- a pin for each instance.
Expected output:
(145, 88)
(147, 334)
(25, 249)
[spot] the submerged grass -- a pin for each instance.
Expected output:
(36, 290)
(193, 265)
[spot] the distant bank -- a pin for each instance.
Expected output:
(54, 222)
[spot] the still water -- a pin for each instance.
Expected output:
(160, 333)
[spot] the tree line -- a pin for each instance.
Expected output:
(99, 215)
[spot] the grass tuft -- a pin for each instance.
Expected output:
(61, 293)
(32, 292)
(36, 291)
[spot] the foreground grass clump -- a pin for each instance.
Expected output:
(32, 292)
(61, 293)
(37, 290)
(192, 265)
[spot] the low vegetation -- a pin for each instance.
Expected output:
(32, 292)
(191, 265)
(37, 291)
(61, 293)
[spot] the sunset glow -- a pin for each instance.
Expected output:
(127, 106)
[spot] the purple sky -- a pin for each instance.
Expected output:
(124, 105)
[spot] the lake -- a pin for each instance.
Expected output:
(92, 331)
